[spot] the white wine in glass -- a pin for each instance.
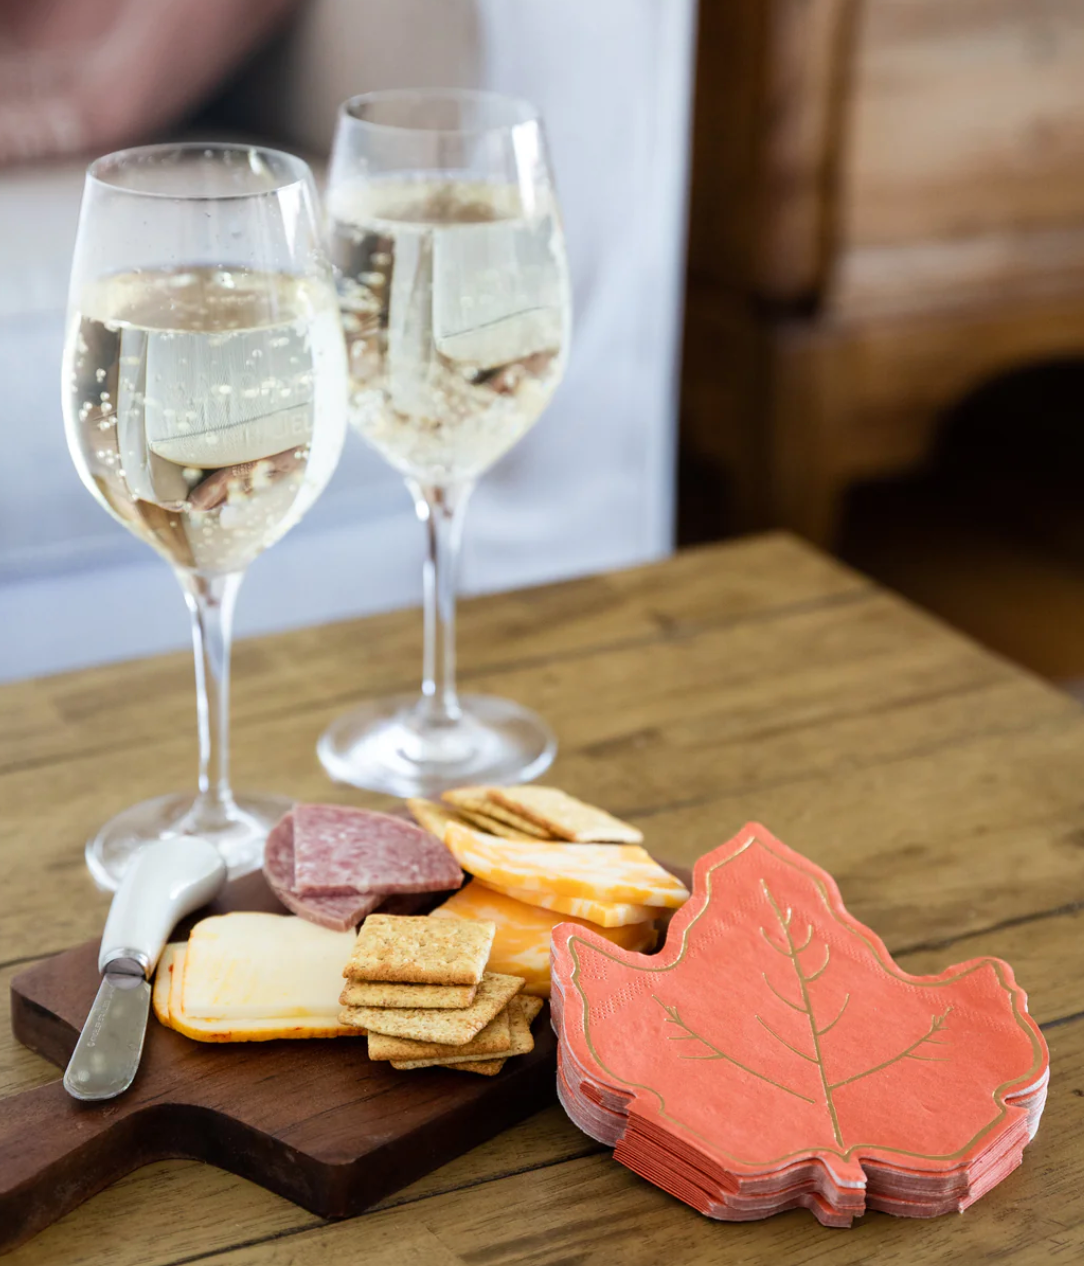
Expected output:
(449, 258)
(203, 384)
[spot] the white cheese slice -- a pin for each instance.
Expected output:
(263, 967)
(163, 983)
(251, 1030)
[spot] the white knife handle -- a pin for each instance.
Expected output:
(164, 882)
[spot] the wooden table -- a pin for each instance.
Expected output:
(943, 788)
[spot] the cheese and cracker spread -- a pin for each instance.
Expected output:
(458, 988)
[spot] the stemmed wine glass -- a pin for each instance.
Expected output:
(204, 388)
(449, 258)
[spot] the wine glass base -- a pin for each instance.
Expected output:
(240, 842)
(387, 746)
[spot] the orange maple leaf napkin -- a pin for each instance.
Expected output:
(773, 1054)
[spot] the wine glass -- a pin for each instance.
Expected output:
(449, 258)
(204, 387)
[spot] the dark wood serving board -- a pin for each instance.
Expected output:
(314, 1121)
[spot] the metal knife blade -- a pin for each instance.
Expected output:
(164, 881)
(106, 1057)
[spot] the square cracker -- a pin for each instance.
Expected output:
(449, 1028)
(381, 993)
(346, 1018)
(413, 949)
(521, 1012)
(431, 816)
(484, 1067)
(480, 800)
(566, 817)
(530, 1006)
(494, 826)
(489, 1067)
(494, 1039)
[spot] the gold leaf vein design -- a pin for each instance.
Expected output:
(688, 1035)
(790, 949)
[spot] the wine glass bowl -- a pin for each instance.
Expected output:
(449, 258)
(203, 391)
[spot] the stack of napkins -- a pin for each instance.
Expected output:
(772, 1055)
(421, 990)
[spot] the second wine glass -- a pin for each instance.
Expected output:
(450, 262)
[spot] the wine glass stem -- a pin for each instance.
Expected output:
(442, 511)
(211, 601)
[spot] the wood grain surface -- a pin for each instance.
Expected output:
(756, 680)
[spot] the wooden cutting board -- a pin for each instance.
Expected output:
(314, 1121)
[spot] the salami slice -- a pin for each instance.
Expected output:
(278, 854)
(341, 914)
(339, 850)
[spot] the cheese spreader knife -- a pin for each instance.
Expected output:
(164, 882)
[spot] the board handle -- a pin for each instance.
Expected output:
(55, 1153)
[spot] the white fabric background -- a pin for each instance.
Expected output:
(591, 487)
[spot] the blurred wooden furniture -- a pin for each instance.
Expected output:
(888, 210)
(754, 680)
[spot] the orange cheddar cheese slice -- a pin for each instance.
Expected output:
(604, 914)
(597, 872)
(521, 946)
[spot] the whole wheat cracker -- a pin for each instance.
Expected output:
(484, 1067)
(494, 1039)
(447, 1061)
(450, 1028)
(381, 993)
(530, 1006)
(566, 817)
(521, 1013)
(489, 1067)
(431, 816)
(414, 949)
(481, 800)
(493, 826)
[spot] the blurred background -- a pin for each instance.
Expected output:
(591, 487)
(885, 308)
(828, 264)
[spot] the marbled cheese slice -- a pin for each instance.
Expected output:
(604, 914)
(263, 966)
(521, 946)
(598, 872)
